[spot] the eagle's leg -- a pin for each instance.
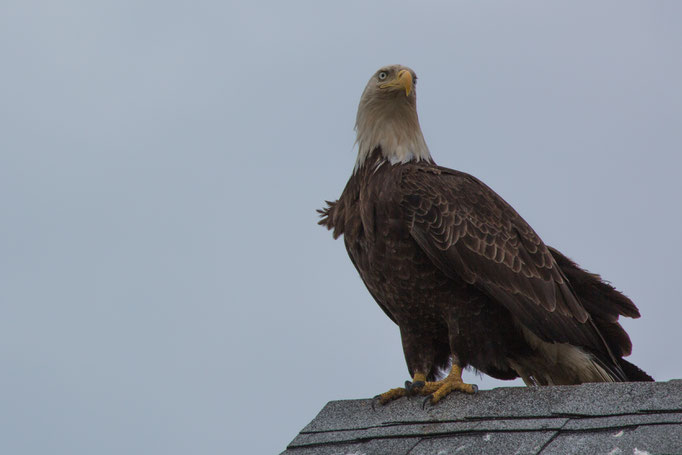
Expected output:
(453, 381)
(411, 388)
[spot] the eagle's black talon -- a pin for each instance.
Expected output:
(413, 387)
(409, 392)
(375, 398)
(475, 387)
(427, 400)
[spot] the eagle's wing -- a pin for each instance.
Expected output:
(470, 232)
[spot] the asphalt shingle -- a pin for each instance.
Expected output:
(615, 418)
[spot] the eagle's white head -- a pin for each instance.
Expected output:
(387, 118)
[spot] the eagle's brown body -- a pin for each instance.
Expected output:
(468, 281)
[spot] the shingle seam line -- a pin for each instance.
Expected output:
(360, 440)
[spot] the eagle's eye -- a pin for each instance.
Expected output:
(383, 75)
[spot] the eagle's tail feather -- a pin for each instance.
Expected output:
(633, 372)
(602, 301)
(605, 304)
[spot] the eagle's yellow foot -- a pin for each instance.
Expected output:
(440, 389)
(411, 388)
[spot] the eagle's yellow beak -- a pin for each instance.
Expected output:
(403, 79)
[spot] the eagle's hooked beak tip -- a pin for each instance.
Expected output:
(405, 80)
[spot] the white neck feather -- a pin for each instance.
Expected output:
(393, 126)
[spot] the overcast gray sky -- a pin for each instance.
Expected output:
(164, 287)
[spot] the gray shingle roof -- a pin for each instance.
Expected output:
(620, 418)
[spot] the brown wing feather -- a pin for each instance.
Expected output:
(342, 217)
(469, 231)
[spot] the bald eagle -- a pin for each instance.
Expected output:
(465, 278)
